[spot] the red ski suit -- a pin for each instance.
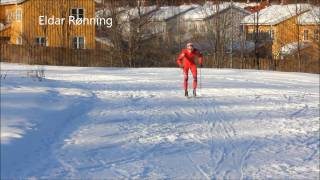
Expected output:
(188, 63)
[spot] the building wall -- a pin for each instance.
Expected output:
(6, 32)
(314, 51)
(311, 32)
(57, 35)
(287, 32)
(8, 16)
(2, 14)
(284, 33)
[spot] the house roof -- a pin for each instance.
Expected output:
(205, 11)
(310, 17)
(275, 14)
(167, 12)
(104, 40)
(4, 2)
(209, 9)
(244, 5)
(257, 7)
(134, 12)
(126, 13)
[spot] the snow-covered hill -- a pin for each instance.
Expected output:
(96, 123)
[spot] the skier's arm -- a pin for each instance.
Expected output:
(200, 58)
(179, 60)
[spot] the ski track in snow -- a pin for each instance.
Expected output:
(134, 123)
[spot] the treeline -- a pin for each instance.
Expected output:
(134, 46)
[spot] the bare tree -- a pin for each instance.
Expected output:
(297, 36)
(256, 39)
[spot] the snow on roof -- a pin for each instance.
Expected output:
(293, 47)
(310, 17)
(275, 14)
(20, 1)
(134, 12)
(207, 10)
(166, 12)
(124, 13)
(10, 1)
(104, 40)
(243, 5)
(108, 12)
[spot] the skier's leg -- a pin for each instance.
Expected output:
(195, 80)
(194, 75)
(185, 82)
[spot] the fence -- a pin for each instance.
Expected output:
(56, 56)
(98, 57)
(307, 64)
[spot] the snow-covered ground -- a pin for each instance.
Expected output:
(102, 123)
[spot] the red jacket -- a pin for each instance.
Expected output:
(188, 57)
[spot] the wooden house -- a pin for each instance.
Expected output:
(309, 26)
(46, 23)
(275, 26)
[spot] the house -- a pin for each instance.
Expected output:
(204, 20)
(309, 25)
(136, 19)
(48, 23)
(165, 21)
(308, 44)
(127, 19)
(275, 26)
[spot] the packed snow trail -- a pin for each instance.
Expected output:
(135, 123)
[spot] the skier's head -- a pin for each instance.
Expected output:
(190, 46)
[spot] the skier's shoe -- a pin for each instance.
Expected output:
(194, 92)
(186, 93)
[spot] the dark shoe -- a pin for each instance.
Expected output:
(194, 92)
(186, 93)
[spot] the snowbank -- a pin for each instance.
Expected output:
(293, 47)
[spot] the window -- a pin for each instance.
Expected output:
(4, 40)
(9, 16)
(316, 35)
(77, 13)
(19, 40)
(305, 35)
(78, 43)
(18, 15)
(271, 33)
(41, 41)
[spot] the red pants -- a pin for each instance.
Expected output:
(193, 69)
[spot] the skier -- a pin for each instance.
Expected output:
(188, 55)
